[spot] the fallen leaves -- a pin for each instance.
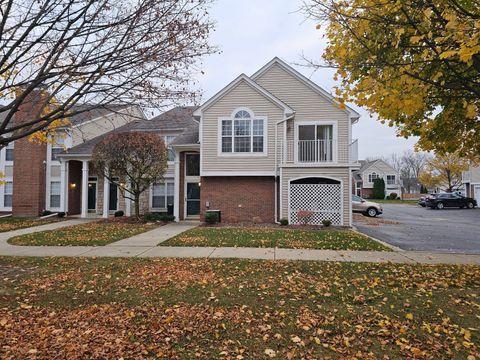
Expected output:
(199, 308)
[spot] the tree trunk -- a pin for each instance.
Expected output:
(137, 206)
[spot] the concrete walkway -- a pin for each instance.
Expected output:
(145, 246)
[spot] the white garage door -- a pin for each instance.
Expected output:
(477, 194)
(323, 201)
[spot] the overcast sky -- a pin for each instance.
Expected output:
(251, 32)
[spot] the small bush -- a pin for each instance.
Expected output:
(393, 196)
(45, 213)
(211, 217)
(327, 222)
(284, 222)
(61, 214)
(119, 213)
(152, 217)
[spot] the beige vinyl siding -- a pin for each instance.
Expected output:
(307, 103)
(342, 173)
(382, 169)
(475, 174)
(104, 124)
(242, 95)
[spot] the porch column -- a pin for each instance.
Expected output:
(106, 197)
(63, 184)
(128, 202)
(176, 195)
(84, 212)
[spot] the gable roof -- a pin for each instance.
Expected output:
(288, 110)
(322, 92)
(365, 165)
(178, 118)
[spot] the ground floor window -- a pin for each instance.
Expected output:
(8, 194)
(55, 194)
(162, 195)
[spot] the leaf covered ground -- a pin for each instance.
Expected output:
(269, 238)
(236, 309)
(88, 234)
(15, 223)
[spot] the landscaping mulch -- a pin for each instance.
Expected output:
(375, 221)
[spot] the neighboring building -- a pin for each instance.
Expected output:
(471, 182)
(264, 148)
(34, 176)
(369, 171)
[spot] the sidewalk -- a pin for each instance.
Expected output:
(145, 246)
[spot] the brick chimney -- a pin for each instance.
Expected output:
(29, 162)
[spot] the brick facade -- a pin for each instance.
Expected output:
(29, 171)
(240, 199)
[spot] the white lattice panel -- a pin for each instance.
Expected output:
(324, 200)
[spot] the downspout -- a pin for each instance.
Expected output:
(286, 118)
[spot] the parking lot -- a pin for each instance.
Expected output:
(448, 230)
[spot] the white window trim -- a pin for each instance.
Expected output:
(370, 174)
(231, 118)
(169, 162)
(395, 179)
(150, 198)
(334, 124)
(3, 164)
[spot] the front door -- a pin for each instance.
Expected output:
(193, 199)
(92, 195)
(113, 199)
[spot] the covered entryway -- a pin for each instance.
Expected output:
(313, 199)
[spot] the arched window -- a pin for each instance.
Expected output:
(243, 133)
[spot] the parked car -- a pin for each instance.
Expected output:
(367, 208)
(423, 199)
(450, 200)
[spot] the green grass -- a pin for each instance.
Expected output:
(89, 234)
(269, 238)
(398, 202)
(15, 223)
(204, 308)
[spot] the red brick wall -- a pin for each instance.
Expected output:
(240, 199)
(367, 193)
(29, 165)
(74, 193)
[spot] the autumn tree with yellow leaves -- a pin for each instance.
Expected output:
(415, 63)
(98, 53)
(444, 171)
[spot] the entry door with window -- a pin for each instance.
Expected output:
(315, 143)
(113, 198)
(92, 194)
(192, 186)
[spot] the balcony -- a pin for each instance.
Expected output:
(317, 152)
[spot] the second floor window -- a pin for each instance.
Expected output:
(372, 177)
(58, 147)
(9, 152)
(391, 180)
(168, 144)
(242, 134)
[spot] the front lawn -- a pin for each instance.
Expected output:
(236, 309)
(269, 238)
(15, 223)
(89, 234)
(396, 202)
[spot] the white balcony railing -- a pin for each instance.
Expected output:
(318, 152)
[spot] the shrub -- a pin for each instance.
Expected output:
(118, 213)
(393, 196)
(378, 189)
(61, 214)
(211, 217)
(284, 222)
(327, 222)
(45, 213)
(152, 217)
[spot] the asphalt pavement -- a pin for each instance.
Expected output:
(450, 230)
